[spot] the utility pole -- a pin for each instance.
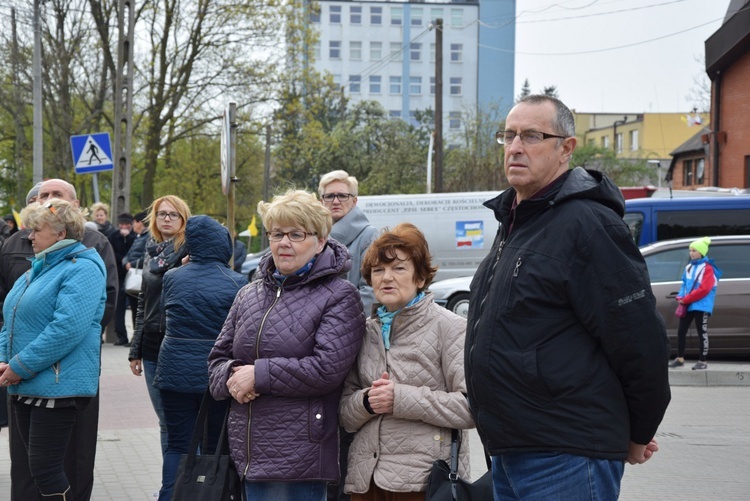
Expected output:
(439, 105)
(123, 107)
(37, 95)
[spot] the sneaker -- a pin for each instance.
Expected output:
(676, 363)
(121, 342)
(700, 366)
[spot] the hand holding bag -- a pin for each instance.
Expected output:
(444, 484)
(133, 281)
(681, 310)
(207, 477)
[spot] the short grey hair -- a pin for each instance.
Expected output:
(338, 175)
(564, 123)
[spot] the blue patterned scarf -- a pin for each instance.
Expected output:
(386, 318)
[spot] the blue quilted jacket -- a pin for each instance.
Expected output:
(303, 338)
(52, 336)
(196, 298)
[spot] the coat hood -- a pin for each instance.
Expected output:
(207, 240)
(346, 229)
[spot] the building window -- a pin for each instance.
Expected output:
(334, 49)
(316, 50)
(376, 51)
(747, 171)
(436, 14)
(633, 140)
(415, 86)
(687, 172)
(395, 85)
(605, 141)
(415, 52)
(700, 171)
(355, 14)
(376, 15)
(456, 85)
(432, 86)
(397, 16)
(457, 51)
(375, 81)
(395, 113)
(395, 51)
(315, 15)
(334, 14)
(454, 120)
(336, 80)
(618, 142)
(591, 142)
(413, 117)
(432, 52)
(355, 51)
(355, 84)
(457, 18)
(416, 16)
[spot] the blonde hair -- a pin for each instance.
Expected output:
(60, 215)
(339, 175)
(100, 206)
(297, 208)
(182, 209)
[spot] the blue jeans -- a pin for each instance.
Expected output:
(286, 491)
(149, 371)
(545, 476)
(181, 412)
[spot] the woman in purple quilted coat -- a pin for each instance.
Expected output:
(286, 347)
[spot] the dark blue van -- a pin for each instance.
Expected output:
(654, 219)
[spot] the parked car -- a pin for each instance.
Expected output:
(251, 263)
(729, 326)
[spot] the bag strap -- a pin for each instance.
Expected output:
(455, 448)
(200, 426)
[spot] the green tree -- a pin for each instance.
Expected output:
(623, 171)
(525, 90)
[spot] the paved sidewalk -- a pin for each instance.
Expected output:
(704, 438)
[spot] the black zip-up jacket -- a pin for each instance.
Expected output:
(565, 350)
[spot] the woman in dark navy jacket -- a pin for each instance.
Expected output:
(196, 299)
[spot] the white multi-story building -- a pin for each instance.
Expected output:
(385, 51)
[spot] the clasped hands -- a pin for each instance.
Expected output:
(241, 384)
(381, 395)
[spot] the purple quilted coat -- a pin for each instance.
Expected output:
(303, 338)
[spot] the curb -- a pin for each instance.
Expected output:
(739, 376)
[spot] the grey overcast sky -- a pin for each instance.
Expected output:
(615, 55)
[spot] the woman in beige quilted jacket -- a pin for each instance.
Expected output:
(406, 392)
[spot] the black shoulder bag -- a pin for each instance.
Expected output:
(207, 477)
(444, 484)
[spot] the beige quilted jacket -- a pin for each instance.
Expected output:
(426, 362)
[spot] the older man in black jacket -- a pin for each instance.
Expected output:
(566, 355)
(79, 461)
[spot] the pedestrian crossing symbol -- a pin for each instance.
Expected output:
(91, 153)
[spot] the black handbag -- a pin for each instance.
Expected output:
(207, 477)
(444, 484)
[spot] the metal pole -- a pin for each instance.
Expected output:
(232, 146)
(429, 163)
(439, 106)
(37, 96)
(123, 125)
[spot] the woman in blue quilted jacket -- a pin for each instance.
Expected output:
(288, 343)
(50, 342)
(196, 298)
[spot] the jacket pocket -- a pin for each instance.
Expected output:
(316, 420)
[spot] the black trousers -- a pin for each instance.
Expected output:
(79, 458)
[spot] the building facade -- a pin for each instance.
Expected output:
(385, 51)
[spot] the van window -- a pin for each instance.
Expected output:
(698, 223)
(634, 220)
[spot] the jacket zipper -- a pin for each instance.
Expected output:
(56, 368)
(13, 322)
(257, 355)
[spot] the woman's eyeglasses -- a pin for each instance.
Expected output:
(330, 197)
(171, 215)
(294, 236)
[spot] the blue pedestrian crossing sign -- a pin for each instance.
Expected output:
(91, 153)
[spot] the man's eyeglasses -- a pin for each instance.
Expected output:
(294, 236)
(527, 136)
(171, 215)
(329, 197)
